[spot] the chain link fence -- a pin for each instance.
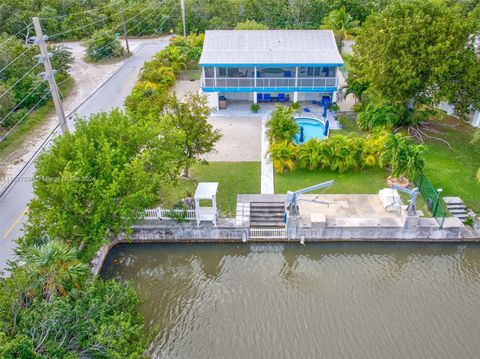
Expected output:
(432, 198)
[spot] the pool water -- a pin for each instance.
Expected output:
(311, 129)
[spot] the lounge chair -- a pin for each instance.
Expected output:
(306, 109)
(314, 102)
(259, 97)
(281, 97)
(267, 97)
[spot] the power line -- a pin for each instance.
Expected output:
(153, 21)
(89, 24)
(15, 35)
(78, 28)
(110, 42)
(20, 79)
(80, 12)
(18, 104)
(24, 116)
(14, 60)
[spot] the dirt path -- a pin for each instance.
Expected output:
(87, 78)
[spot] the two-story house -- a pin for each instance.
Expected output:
(269, 65)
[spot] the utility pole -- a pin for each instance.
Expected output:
(182, 5)
(49, 74)
(124, 29)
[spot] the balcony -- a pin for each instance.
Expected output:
(269, 83)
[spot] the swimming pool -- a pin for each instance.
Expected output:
(312, 128)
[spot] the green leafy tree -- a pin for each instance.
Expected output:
(103, 44)
(96, 182)
(341, 23)
(193, 135)
(282, 154)
(417, 51)
(250, 25)
(282, 126)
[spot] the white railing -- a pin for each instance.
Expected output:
(169, 214)
(260, 83)
(268, 233)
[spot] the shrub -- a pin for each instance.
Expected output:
(341, 153)
(312, 155)
(149, 95)
(373, 116)
(255, 107)
(282, 126)
(103, 44)
(282, 155)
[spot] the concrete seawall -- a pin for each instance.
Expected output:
(228, 232)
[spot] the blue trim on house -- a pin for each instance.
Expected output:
(268, 89)
(271, 65)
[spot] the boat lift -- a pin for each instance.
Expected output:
(412, 202)
(291, 204)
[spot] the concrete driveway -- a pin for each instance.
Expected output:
(241, 139)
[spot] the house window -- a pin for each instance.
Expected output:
(222, 72)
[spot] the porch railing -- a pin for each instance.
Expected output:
(169, 214)
(261, 83)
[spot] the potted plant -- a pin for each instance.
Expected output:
(255, 107)
(334, 108)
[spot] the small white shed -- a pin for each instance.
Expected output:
(206, 191)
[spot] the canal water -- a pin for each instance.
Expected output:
(318, 301)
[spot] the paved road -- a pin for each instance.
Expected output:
(13, 205)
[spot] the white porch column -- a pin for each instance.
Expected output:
(254, 97)
(334, 96)
(203, 76)
(295, 96)
(296, 76)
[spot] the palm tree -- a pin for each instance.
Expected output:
(342, 23)
(404, 158)
(282, 155)
(54, 266)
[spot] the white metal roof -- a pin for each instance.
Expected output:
(299, 47)
(206, 190)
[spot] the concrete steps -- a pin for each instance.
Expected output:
(456, 207)
(267, 214)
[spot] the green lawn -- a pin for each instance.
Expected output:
(455, 170)
(367, 181)
(233, 178)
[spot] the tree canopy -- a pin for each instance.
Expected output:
(250, 25)
(95, 182)
(417, 51)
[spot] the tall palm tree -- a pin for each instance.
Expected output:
(341, 23)
(54, 266)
